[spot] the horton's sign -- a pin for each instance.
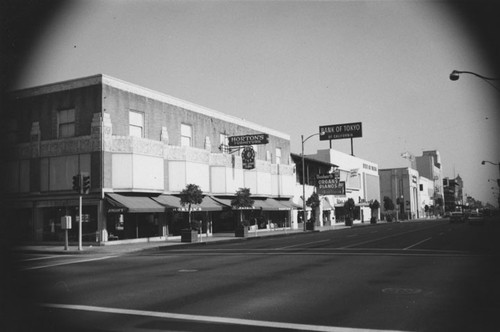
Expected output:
(248, 158)
(248, 139)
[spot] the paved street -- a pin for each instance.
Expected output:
(410, 276)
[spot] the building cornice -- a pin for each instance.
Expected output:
(145, 92)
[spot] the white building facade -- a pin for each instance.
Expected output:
(362, 184)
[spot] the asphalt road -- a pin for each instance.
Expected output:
(410, 276)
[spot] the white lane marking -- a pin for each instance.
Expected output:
(349, 252)
(67, 263)
(389, 236)
(416, 244)
(301, 244)
(40, 258)
(210, 319)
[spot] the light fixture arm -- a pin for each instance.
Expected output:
(455, 75)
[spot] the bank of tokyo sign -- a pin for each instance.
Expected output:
(340, 131)
(248, 140)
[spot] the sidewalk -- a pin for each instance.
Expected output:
(123, 248)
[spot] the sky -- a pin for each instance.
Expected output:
(296, 65)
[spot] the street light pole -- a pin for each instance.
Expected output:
(489, 162)
(498, 180)
(304, 212)
(455, 75)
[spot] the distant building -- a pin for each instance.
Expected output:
(453, 193)
(429, 166)
(140, 148)
(426, 197)
(402, 186)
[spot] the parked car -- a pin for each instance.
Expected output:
(476, 218)
(457, 217)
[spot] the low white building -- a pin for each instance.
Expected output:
(361, 184)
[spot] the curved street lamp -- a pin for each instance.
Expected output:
(304, 212)
(455, 75)
(489, 162)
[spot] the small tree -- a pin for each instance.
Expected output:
(313, 202)
(349, 206)
(374, 206)
(190, 195)
(388, 204)
(241, 201)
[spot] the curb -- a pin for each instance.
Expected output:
(177, 245)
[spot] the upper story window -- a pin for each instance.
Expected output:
(136, 124)
(66, 123)
(186, 135)
(278, 155)
(224, 142)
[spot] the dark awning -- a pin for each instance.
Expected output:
(274, 205)
(265, 204)
(289, 205)
(168, 201)
(223, 201)
(174, 203)
(133, 204)
(269, 204)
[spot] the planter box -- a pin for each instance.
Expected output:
(348, 222)
(309, 226)
(188, 235)
(241, 231)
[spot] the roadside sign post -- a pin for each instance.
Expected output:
(80, 223)
(66, 224)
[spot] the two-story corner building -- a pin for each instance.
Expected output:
(140, 148)
(361, 179)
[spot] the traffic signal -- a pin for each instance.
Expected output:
(86, 184)
(77, 183)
